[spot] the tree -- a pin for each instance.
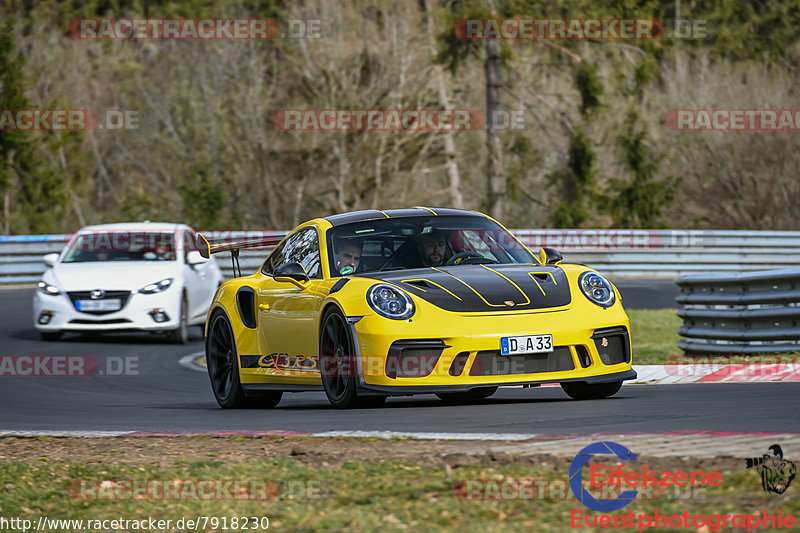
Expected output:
(456, 50)
(456, 197)
(639, 201)
(575, 183)
(203, 202)
(35, 191)
(16, 155)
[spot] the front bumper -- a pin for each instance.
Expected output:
(472, 358)
(136, 314)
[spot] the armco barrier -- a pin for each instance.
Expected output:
(21, 256)
(670, 253)
(618, 253)
(745, 313)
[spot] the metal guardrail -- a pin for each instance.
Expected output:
(670, 253)
(617, 253)
(745, 313)
(21, 256)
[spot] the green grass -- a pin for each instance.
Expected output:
(654, 335)
(351, 496)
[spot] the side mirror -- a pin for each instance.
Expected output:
(50, 260)
(549, 256)
(194, 258)
(292, 273)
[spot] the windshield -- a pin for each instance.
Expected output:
(121, 246)
(417, 242)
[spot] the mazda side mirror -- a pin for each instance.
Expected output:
(194, 258)
(50, 260)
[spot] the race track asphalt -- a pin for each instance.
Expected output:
(166, 396)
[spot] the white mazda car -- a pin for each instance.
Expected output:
(132, 276)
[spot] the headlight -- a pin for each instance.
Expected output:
(49, 289)
(390, 302)
(597, 288)
(158, 286)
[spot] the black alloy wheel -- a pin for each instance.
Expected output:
(222, 361)
(338, 366)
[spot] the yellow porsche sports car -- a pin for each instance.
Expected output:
(371, 304)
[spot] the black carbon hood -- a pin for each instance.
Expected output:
(481, 288)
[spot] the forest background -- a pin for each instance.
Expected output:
(593, 149)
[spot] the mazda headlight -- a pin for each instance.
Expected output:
(159, 286)
(597, 288)
(390, 302)
(49, 289)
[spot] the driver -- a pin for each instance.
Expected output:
(348, 256)
(431, 248)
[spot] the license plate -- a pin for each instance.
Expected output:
(98, 305)
(526, 344)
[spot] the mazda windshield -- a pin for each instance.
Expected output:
(116, 246)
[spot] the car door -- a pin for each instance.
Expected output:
(287, 314)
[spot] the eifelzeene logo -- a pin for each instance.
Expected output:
(776, 472)
(576, 481)
(617, 477)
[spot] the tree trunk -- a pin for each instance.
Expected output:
(6, 214)
(495, 175)
(456, 198)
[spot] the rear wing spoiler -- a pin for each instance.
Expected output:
(207, 249)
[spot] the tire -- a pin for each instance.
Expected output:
(470, 395)
(337, 361)
(222, 361)
(180, 335)
(580, 390)
(50, 335)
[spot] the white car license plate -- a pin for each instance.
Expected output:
(98, 305)
(526, 344)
